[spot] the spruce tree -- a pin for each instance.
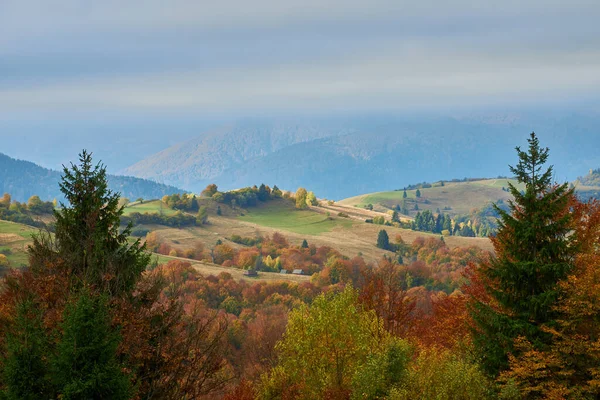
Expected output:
(85, 365)
(383, 240)
(304, 244)
(88, 238)
(24, 372)
(533, 251)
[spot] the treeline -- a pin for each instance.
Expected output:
(25, 213)
(177, 220)
(246, 197)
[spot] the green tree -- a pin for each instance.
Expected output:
(404, 195)
(85, 365)
(88, 237)
(24, 371)
(219, 212)
(263, 194)
(418, 193)
(311, 199)
(202, 217)
(301, 198)
(533, 251)
(383, 240)
(395, 217)
(325, 348)
(304, 244)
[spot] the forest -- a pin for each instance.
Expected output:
(93, 317)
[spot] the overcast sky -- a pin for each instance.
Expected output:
(152, 57)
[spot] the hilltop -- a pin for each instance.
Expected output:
(340, 158)
(23, 179)
(453, 198)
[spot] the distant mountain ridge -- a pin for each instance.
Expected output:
(23, 179)
(339, 159)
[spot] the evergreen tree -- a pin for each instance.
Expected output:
(533, 251)
(404, 195)
(263, 194)
(418, 193)
(395, 217)
(219, 212)
(383, 240)
(85, 366)
(24, 371)
(88, 238)
(304, 244)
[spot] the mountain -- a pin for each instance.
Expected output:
(360, 155)
(23, 179)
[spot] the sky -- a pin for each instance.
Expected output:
(78, 65)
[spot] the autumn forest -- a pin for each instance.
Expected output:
(109, 306)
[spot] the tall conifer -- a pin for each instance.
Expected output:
(533, 252)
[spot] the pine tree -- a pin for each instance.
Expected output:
(85, 366)
(418, 193)
(89, 240)
(395, 217)
(383, 240)
(534, 252)
(24, 371)
(304, 244)
(404, 195)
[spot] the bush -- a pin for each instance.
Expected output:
(343, 215)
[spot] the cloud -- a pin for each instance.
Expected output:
(260, 55)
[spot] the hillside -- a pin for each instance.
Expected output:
(344, 158)
(350, 236)
(23, 179)
(454, 198)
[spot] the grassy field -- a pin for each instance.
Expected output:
(152, 206)
(456, 197)
(14, 239)
(285, 217)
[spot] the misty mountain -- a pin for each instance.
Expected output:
(23, 179)
(344, 158)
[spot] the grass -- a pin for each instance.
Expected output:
(460, 197)
(151, 207)
(14, 239)
(287, 218)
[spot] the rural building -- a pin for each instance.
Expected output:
(298, 272)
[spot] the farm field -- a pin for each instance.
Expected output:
(14, 239)
(151, 206)
(285, 217)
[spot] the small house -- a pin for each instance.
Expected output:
(250, 272)
(298, 272)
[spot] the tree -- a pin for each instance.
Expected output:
(325, 348)
(85, 365)
(304, 244)
(301, 198)
(311, 199)
(395, 217)
(404, 195)
(276, 192)
(219, 212)
(209, 191)
(263, 193)
(383, 240)
(570, 366)
(88, 237)
(202, 217)
(24, 370)
(418, 193)
(533, 251)
(34, 204)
